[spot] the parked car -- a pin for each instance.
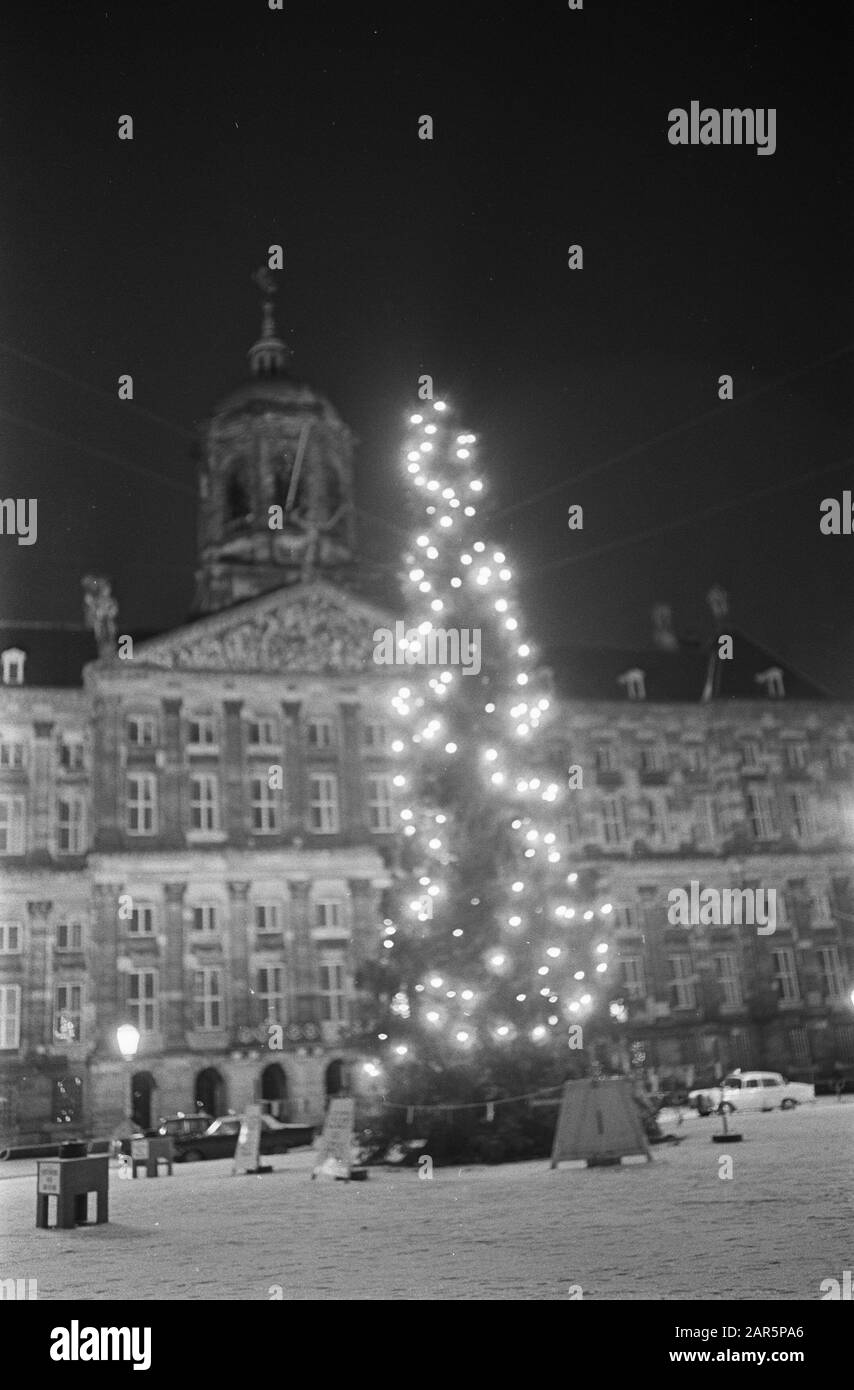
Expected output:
(751, 1090)
(176, 1126)
(220, 1139)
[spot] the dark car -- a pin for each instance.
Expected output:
(220, 1139)
(176, 1126)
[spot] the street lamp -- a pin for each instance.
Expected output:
(127, 1038)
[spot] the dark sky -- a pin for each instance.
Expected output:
(300, 127)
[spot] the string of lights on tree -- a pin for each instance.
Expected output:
(488, 940)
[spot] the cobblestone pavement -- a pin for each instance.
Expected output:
(669, 1229)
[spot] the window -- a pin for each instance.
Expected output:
(11, 753)
(626, 918)
(607, 759)
(70, 825)
(799, 1047)
(785, 975)
(726, 973)
(615, 821)
(376, 737)
(72, 754)
(822, 908)
(12, 663)
(323, 803)
(263, 732)
(10, 1016)
(207, 998)
(333, 993)
(655, 821)
(201, 732)
(762, 810)
(796, 756)
(704, 820)
(11, 825)
(204, 802)
(69, 935)
(379, 803)
(205, 917)
(652, 758)
(694, 758)
(751, 755)
(768, 1081)
(141, 921)
(267, 917)
(68, 1013)
(141, 1000)
(634, 976)
(320, 733)
(142, 730)
(264, 801)
(11, 938)
(271, 992)
(833, 981)
(68, 1100)
(329, 914)
(141, 803)
(635, 684)
(803, 822)
(840, 757)
(683, 994)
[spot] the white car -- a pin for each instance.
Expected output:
(751, 1090)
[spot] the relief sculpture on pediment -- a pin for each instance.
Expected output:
(319, 634)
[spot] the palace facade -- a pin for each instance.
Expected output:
(197, 828)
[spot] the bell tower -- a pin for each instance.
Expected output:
(275, 481)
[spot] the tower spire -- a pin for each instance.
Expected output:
(267, 356)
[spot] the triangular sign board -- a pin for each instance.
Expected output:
(335, 1146)
(248, 1151)
(598, 1121)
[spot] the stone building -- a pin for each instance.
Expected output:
(727, 772)
(195, 828)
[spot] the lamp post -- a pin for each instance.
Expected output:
(127, 1038)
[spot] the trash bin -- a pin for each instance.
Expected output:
(148, 1154)
(70, 1178)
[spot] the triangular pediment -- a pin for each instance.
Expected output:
(312, 628)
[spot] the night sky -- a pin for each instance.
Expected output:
(403, 256)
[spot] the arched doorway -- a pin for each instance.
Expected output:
(210, 1092)
(337, 1079)
(274, 1088)
(142, 1088)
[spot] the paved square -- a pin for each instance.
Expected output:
(669, 1229)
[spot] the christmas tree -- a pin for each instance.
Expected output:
(494, 961)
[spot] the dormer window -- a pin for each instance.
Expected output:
(635, 683)
(12, 666)
(772, 680)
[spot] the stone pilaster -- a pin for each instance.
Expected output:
(173, 782)
(104, 964)
(303, 963)
(37, 983)
(238, 983)
(353, 804)
(175, 982)
(42, 793)
(234, 795)
(364, 903)
(295, 807)
(107, 775)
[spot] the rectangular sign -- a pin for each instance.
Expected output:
(49, 1177)
(139, 1148)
